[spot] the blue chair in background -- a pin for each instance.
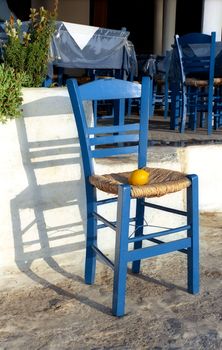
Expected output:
(119, 140)
(161, 86)
(110, 110)
(197, 79)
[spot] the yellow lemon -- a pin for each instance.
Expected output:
(139, 177)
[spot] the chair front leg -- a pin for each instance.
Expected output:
(193, 233)
(138, 232)
(91, 235)
(121, 250)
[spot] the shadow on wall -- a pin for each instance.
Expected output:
(50, 103)
(33, 224)
(48, 216)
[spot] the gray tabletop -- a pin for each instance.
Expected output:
(107, 49)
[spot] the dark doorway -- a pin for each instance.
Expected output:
(189, 16)
(136, 17)
(20, 8)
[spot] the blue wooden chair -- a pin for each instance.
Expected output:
(161, 86)
(115, 140)
(197, 79)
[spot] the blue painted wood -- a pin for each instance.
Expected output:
(113, 129)
(121, 250)
(176, 103)
(91, 235)
(119, 111)
(103, 257)
(171, 231)
(106, 201)
(133, 219)
(108, 152)
(102, 89)
(161, 87)
(108, 223)
(158, 241)
(160, 249)
(138, 232)
(170, 210)
(106, 140)
(193, 234)
(144, 122)
(196, 99)
(88, 139)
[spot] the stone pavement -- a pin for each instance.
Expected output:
(160, 134)
(48, 306)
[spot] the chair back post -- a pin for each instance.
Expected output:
(81, 125)
(180, 59)
(144, 121)
(211, 82)
(182, 84)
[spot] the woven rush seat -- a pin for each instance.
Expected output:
(201, 82)
(217, 81)
(196, 82)
(161, 182)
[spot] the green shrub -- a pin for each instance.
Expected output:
(27, 52)
(25, 59)
(10, 93)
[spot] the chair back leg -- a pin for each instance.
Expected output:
(91, 236)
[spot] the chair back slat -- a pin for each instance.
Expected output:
(116, 151)
(96, 90)
(114, 140)
(106, 140)
(114, 129)
(195, 38)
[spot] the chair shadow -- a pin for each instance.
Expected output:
(37, 200)
(159, 282)
(25, 268)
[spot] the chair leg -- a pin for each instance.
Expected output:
(138, 232)
(175, 106)
(210, 110)
(166, 97)
(91, 238)
(184, 111)
(193, 233)
(121, 251)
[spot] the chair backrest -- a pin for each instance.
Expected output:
(196, 55)
(114, 140)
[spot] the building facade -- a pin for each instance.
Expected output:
(151, 23)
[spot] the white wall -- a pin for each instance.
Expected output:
(42, 202)
(212, 17)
